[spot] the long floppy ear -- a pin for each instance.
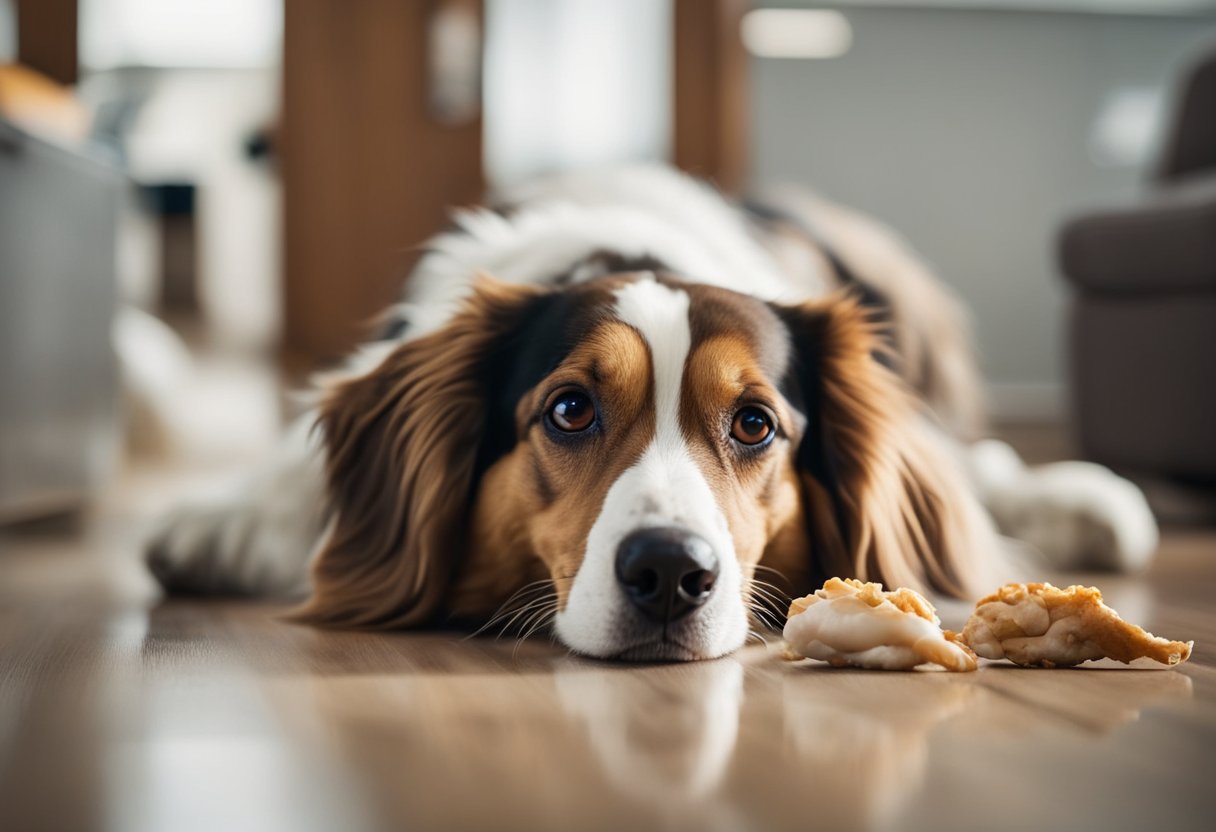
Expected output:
(886, 499)
(403, 445)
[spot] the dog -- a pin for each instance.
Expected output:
(606, 403)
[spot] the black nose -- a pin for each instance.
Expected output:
(666, 571)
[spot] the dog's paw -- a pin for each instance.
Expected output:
(232, 550)
(1079, 516)
(185, 553)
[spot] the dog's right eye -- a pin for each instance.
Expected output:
(753, 426)
(572, 412)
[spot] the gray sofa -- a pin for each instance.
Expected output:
(1142, 328)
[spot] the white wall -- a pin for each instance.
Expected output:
(972, 133)
(575, 83)
(180, 33)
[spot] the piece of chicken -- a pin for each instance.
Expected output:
(1040, 625)
(850, 623)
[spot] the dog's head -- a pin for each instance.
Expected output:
(639, 444)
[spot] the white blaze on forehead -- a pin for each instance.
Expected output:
(660, 314)
(664, 488)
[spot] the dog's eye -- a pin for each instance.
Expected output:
(572, 412)
(753, 425)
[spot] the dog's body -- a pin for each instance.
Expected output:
(655, 394)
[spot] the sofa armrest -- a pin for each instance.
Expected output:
(1164, 243)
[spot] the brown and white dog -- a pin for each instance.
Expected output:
(611, 402)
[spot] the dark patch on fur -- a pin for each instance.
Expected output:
(802, 386)
(552, 326)
(393, 327)
(606, 262)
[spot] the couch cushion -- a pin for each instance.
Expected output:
(1141, 371)
(1165, 243)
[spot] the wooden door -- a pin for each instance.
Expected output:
(370, 165)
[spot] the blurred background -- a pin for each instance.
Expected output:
(202, 201)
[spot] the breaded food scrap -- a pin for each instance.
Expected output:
(850, 623)
(1040, 625)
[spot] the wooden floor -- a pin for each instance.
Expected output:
(122, 711)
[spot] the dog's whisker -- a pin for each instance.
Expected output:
(775, 605)
(525, 595)
(769, 594)
(501, 616)
(752, 634)
(536, 611)
(764, 616)
(519, 595)
(769, 585)
(778, 606)
(523, 613)
(771, 588)
(768, 616)
(537, 615)
(770, 570)
(540, 621)
(767, 609)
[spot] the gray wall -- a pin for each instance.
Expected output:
(969, 131)
(8, 32)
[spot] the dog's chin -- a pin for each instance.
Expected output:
(661, 649)
(660, 644)
(705, 633)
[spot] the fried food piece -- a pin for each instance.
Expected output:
(1039, 625)
(850, 623)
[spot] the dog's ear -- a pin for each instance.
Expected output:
(885, 500)
(402, 444)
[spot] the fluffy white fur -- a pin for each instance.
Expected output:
(1078, 515)
(256, 539)
(635, 211)
(259, 540)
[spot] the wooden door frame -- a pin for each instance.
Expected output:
(711, 114)
(47, 32)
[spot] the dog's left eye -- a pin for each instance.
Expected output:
(753, 425)
(572, 412)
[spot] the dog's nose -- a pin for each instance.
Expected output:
(666, 572)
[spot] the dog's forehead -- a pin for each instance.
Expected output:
(672, 317)
(675, 318)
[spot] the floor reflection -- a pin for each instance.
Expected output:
(860, 739)
(665, 736)
(740, 743)
(1083, 700)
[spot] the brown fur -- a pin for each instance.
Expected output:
(892, 509)
(402, 445)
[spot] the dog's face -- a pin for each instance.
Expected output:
(640, 445)
(652, 465)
